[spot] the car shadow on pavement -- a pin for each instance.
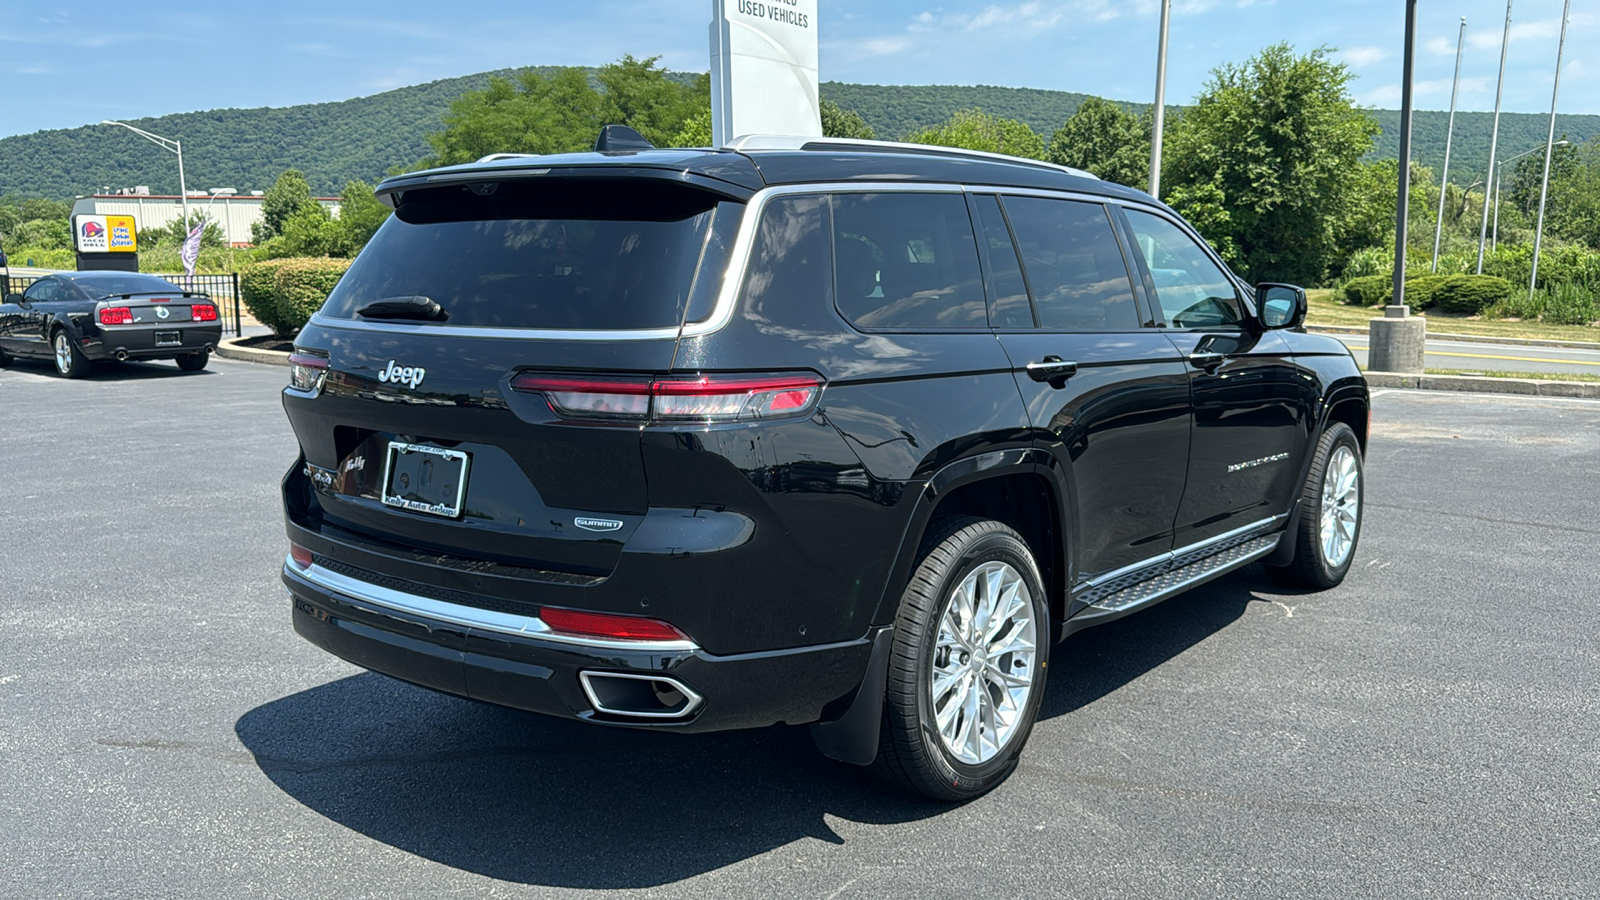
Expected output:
(532, 799)
(113, 371)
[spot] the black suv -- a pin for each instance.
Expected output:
(799, 431)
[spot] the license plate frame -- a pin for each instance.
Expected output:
(411, 459)
(169, 339)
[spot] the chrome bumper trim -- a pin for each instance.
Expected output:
(466, 616)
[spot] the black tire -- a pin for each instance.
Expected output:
(194, 362)
(911, 752)
(1311, 566)
(5, 359)
(69, 360)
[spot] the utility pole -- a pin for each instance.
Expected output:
(1449, 135)
(1396, 341)
(1549, 149)
(1160, 111)
(1494, 137)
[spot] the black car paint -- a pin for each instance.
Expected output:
(785, 610)
(26, 328)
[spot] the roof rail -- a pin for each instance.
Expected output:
(748, 142)
(494, 156)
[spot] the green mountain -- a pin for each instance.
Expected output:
(332, 143)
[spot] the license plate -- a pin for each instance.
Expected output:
(169, 338)
(425, 479)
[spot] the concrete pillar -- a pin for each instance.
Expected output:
(1396, 341)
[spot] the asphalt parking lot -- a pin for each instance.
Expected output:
(1431, 728)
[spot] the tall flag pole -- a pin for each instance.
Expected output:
(1549, 149)
(1494, 139)
(1449, 134)
(1160, 110)
(1402, 202)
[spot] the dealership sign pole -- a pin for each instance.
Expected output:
(764, 69)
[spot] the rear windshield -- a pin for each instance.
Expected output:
(113, 283)
(572, 254)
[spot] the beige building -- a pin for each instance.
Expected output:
(233, 213)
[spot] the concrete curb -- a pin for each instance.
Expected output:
(1467, 338)
(230, 349)
(1483, 385)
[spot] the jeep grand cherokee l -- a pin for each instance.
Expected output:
(837, 433)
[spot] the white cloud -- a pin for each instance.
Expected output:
(1520, 31)
(1363, 56)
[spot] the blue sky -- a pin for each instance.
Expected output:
(69, 64)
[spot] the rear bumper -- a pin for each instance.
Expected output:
(139, 342)
(511, 660)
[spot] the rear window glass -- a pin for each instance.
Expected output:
(1074, 264)
(907, 261)
(108, 284)
(571, 254)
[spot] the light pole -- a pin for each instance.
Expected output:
(1494, 136)
(1449, 134)
(170, 145)
(1396, 341)
(1160, 111)
(1549, 149)
(1499, 176)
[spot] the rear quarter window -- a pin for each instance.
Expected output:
(906, 261)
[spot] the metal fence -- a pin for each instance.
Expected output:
(222, 289)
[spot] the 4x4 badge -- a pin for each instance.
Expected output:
(588, 524)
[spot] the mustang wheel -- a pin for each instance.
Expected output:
(967, 673)
(70, 361)
(1330, 513)
(193, 362)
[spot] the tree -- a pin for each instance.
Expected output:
(309, 231)
(360, 214)
(973, 129)
(287, 195)
(1104, 138)
(639, 95)
(1274, 144)
(844, 123)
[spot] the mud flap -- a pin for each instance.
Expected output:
(853, 737)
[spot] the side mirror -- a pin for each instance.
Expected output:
(1281, 305)
(15, 299)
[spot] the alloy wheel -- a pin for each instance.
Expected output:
(1341, 506)
(63, 346)
(982, 670)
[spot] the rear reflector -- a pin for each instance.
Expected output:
(591, 624)
(300, 556)
(306, 372)
(204, 312)
(116, 315)
(709, 398)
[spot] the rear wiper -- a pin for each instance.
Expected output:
(404, 308)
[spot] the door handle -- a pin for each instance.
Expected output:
(1207, 359)
(1052, 369)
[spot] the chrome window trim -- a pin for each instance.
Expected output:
(1262, 525)
(727, 295)
(466, 616)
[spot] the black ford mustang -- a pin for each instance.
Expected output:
(79, 317)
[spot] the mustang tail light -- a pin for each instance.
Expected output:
(116, 315)
(628, 628)
(707, 398)
(307, 372)
(204, 312)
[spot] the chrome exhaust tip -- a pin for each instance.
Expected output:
(121, 354)
(638, 696)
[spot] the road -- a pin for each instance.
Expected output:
(1427, 729)
(1481, 357)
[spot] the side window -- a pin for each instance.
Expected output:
(42, 291)
(1074, 264)
(789, 263)
(1011, 309)
(1194, 292)
(907, 261)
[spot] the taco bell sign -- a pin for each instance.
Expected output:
(764, 69)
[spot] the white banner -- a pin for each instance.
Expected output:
(764, 69)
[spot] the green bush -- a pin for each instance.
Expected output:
(1468, 294)
(1368, 290)
(1570, 304)
(282, 294)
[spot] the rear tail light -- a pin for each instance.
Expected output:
(627, 628)
(708, 398)
(306, 372)
(204, 312)
(300, 556)
(116, 315)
